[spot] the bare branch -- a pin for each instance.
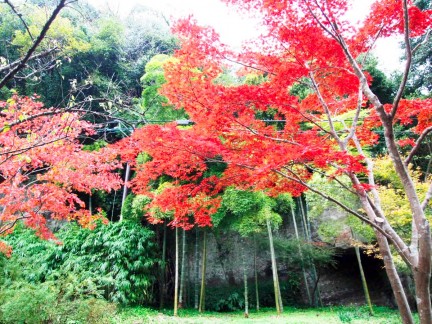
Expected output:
(9, 225)
(417, 145)
(295, 178)
(20, 17)
(422, 42)
(253, 131)
(325, 106)
(36, 43)
(407, 68)
(373, 43)
(427, 198)
(356, 117)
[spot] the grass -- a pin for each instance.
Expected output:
(327, 315)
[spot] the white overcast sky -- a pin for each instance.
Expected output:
(234, 28)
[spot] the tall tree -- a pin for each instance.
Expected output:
(184, 191)
(312, 43)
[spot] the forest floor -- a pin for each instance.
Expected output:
(327, 315)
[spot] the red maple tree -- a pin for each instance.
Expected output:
(43, 167)
(179, 155)
(310, 44)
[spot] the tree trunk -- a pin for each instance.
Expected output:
(90, 205)
(162, 269)
(201, 307)
(246, 295)
(182, 270)
(363, 280)
(395, 282)
(274, 268)
(176, 274)
(126, 180)
(317, 294)
(422, 277)
(306, 283)
(279, 293)
(256, 277)
(196, 277)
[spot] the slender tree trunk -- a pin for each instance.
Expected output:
(201, 307)
(422, 277)
(374, 213)
(274, 268)
(363, 280)
(426, 174)
(245, 280)
(182, 270)
(113, 204)
(279, 293)
(256, 277)
(307, 227)
(301, 257)
(163, 268)
(90, 205)
(196, 277)
(176, 274)
(395, 282)
(126, 180)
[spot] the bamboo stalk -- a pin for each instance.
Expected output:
(201, 307)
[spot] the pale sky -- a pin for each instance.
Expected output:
(233, 28)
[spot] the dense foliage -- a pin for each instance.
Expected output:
(47, 282)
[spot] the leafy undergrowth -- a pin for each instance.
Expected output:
(329, 315)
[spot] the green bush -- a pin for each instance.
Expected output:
(27, 303)
(115, 261)
(234, 302)
(91, 311)
(42, 303)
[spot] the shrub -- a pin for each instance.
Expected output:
(114, 261)
(42, 303)
(27, 303)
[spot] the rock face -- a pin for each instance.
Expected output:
(338, 285)
(342, 285)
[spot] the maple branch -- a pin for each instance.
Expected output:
(403, 249)
(45, 68)
(310, 119)
(36, 43)
(19, 151)
(376, 207)
(372, 44)
(73, 108)
(325, 106)
(320, 23)
(329, 178)
(6, 227)
(419, 218)
(29, 118)
(356, 118)
(297, 179)
(265, 136)
(407, 68)
(427, 198)
(333, 23)
(417, 144)
(422, 42)
(248, 66)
